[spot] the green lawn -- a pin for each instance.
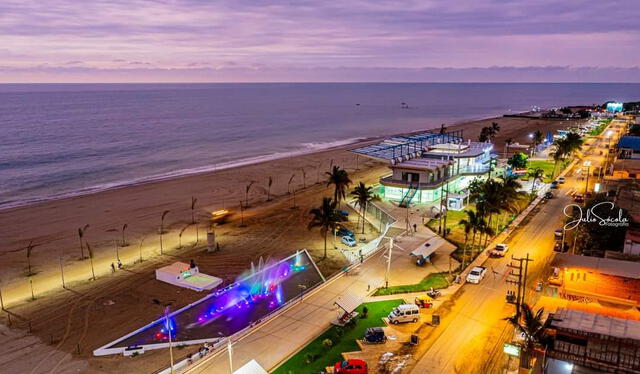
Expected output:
(343, 338)
(545, 165)
(435, 280)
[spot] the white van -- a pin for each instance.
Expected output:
(404, 313)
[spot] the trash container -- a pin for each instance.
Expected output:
(435, 319)
(414, 339)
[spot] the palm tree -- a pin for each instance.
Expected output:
(193, 209)
(531, 325)
(535, 174)
(81, 231)
(124, 227)
(93, 273)
(507, 143)
(495, 127)
(180, 235)
(538, 138)
(246, 194)
(29, 248)
(340, 179)
(558, 155)
(269, 188)
(326, 217)
(469, 225)
(363, 195)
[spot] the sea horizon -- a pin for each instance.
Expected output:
(85, 138)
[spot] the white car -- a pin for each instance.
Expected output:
(561, 180)
(500, 250)
(349, 241)
(476, 274)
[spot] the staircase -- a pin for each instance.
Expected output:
(406, 199)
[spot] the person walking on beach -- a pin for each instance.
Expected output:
(119, 264)
(113, 268)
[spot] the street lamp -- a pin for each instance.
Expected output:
(587, 164)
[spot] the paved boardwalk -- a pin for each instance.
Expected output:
(273, 342)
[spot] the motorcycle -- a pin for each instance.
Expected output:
(433, 293)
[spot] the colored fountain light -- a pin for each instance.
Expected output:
(257, 293)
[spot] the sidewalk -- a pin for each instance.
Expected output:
(276, 340)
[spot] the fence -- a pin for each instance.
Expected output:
(380, 219)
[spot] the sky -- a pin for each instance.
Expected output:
(342, 40)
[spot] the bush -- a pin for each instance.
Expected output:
(365, 311)
(309, 358)
(327, 343)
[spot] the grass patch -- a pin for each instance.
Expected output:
(600, 128)
(315, 356)
(545, 165)
(435, 280)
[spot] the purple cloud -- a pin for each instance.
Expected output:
(376, 36)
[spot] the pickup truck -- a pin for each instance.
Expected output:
(500, 250)
(476, 274)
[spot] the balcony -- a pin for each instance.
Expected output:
(389, 181)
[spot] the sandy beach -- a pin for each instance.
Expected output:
(72, 321)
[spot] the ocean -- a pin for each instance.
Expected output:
(60, 140)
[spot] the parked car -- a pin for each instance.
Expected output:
(554, 184)
(561, 180)
(500, 250)
(344, 212)
(374, 335)
(404, 313)
(578, 198)
(548, 195)
(476, 274)
(352, 366)
(424, 301)
(558, 234)
(349, 241)
(342, 231)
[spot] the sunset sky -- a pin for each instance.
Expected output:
(207, 40)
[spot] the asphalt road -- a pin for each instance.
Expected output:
(470, 338)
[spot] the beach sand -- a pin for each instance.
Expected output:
(91, 313)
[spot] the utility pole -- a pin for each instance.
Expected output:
(386, 275)
(521, 281)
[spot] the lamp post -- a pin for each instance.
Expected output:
(587, 164)
(387, 273)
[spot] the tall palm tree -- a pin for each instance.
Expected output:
(495, 127)
(81, 231)
(538, 138)
(124, 242)
(531, 325)
(364, 195)
(340, 180)
(29, 248)
(193, 209)
(507, 144)
(326, 217)
(535, 175)
(246, 194)
(469, 225)
(93, 273)
(559, 154)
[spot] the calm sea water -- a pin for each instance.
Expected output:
(60, 140)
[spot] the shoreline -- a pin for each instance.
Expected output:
(310, 149)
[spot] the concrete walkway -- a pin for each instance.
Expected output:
(273, 342)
